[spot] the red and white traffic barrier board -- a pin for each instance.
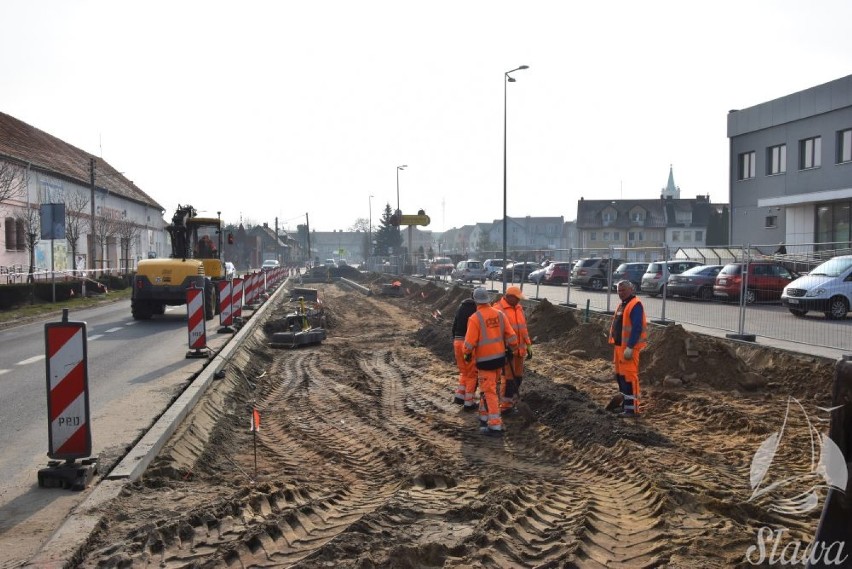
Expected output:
(69, 428)
(237, 297)
(196, 323)
(225, 312)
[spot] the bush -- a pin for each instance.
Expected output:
(13, 295)
(115, 282)
(64, 289)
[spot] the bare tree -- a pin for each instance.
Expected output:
(13, 181)
(29, 217)
(105, 230)
(128, 232)
(75, 221)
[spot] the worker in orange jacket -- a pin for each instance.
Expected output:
(628, 334)
(466, 388)
(489, 336)
(513, 371)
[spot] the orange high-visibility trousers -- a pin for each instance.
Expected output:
(628, 372)
(466, 389)
(489, 403)
(513, 373)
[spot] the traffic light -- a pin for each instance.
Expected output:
(230, 238)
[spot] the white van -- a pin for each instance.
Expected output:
(826, 289)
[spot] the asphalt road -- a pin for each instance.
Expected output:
(135, 369)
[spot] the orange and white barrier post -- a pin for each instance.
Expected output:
(69, 425)
(225, 311)
(196, 323)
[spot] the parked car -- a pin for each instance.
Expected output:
(492, 266)
(594, 273)
(517, 272)
(469, 271)
(766, 280)
(827, 289)
(442, 266)
(557, 273)
(630, 272)
(537, 275)
(656, 275)
(696, 282)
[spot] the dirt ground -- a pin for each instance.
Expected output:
(362, 460)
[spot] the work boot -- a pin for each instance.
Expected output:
(458, 400)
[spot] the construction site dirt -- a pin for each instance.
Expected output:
(362, 459)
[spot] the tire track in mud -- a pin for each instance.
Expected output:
(363, 460)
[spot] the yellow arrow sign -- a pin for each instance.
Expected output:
(414, 220)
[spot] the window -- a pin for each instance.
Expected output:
(593, 236)
(637, 216)
(616, 236)
(771, 221)
(11, 237)
(675, 236)
(776, 159)
(699, 235)
(810, 150)
(746, 166)
(641, 236)
(631, 236)
(606, 235)
(844, 146)
(687, 235)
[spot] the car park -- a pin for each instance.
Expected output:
(630, 272)
(827, 289)
(469, 271)
(765, 280)
(493, 266)
(594, 273)
(657, 274)
(557, 273)
(696, 282)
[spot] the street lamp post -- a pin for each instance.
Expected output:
(398, 168)
(370, 233)
(507, 79)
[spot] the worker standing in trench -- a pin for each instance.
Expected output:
(513, 371)
(466, 388)
(488, 340)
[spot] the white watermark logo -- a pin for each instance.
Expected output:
(822, 467)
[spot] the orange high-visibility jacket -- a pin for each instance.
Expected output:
(517, 320)
(627, 326)
(488, 335)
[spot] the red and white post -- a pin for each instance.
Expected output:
(196, 323)
(225, 311)
(237, 297)
(69, 425)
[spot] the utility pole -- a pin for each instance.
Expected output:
(308, 233)
(92, 239)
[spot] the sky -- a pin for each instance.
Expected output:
(303, 110)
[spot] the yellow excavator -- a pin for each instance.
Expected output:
(195, 260)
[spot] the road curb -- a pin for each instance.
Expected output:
(76, 530)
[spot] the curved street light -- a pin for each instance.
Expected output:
(398, 168)
(507, 79)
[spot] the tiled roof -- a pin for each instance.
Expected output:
(29, 145)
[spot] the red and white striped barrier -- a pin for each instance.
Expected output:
(196, 323)
(70, 434)
(225, 306)
(237, 297)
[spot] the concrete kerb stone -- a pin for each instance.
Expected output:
(75, 531)
(356, 286)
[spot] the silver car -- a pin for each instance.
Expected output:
(469, 271)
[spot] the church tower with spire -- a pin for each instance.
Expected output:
(671, 191)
